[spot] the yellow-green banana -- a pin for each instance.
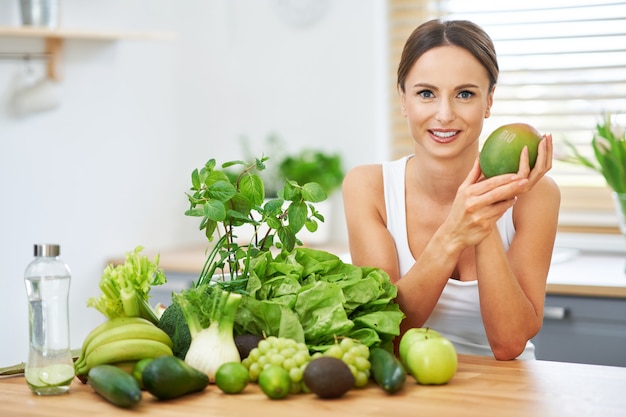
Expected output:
(129, 331)
(108, 326)
(126, 350)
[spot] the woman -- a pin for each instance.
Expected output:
(469, 255)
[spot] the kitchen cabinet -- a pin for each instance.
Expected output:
(585, 310)
(583, 330)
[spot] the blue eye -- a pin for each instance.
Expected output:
(426, 94)
(466, 94)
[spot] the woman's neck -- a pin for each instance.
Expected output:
(438, 177)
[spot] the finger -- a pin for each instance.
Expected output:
(544, 160)
(473, 176)
(524, 163)
(544, 157)
(549, 151)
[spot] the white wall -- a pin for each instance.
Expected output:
(108, 169)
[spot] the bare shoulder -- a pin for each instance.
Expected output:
(363, 177)
(546, 189)
(541, 204)
(363, 195)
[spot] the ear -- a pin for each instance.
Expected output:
(489, 102)
(403, 103)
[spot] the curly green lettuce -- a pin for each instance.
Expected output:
(312, 296)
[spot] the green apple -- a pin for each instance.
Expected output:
(432, 361)
(413, 335)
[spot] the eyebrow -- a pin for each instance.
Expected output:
(432, 87)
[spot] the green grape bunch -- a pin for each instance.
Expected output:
(354, 354)
(281, 351)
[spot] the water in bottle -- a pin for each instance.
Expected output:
(49, 369)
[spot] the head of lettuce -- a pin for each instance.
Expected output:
(312, 296)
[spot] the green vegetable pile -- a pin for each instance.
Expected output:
(312, 296)
(298, 293)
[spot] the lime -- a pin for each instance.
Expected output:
(275, 382)
(232, 377)
(138, 370)
(57, 374)
(32, 377)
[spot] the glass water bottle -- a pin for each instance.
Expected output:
(49, 369)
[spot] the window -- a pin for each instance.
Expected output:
(562, 63)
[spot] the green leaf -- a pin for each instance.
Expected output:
(297, 215)
(313, 192)
(273, 207)
(210, 165)
(215, 210)
(320, 310)
(241, 217)
(290, 191)
(287, 237)
(195, 179)
(240, 208)
(259, 163)
(233, 163)
(311, 225)
(221, 190)
(273, 222)
(269, 318)
(195, 212)
(210, 226)
(215, 176)
(251, 186)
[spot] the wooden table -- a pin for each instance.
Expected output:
(482, 387)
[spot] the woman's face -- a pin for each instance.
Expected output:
(446, 99)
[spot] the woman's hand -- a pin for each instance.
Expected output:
(480, 202)
(542, 165)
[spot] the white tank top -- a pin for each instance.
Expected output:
(457, 313)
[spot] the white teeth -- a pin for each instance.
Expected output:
(444, 134)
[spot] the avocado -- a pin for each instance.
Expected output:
(168, 377)
(245, 343)
(328, 377)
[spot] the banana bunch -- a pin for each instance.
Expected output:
(120, 341)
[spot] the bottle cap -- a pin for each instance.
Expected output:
(47, 249)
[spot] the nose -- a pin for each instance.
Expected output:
(445, 112)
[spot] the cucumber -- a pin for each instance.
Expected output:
(387, 370)
(114, 385)
(169, 377)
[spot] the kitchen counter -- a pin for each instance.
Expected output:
(482, 387)
(587, 274)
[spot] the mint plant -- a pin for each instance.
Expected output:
(232, 196)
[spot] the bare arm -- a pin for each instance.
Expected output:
(471, 219)
(512, 284)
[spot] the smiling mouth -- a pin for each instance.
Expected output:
(444, 137)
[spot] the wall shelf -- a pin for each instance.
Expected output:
(54, 39)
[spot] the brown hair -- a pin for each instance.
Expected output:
(462, 33)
